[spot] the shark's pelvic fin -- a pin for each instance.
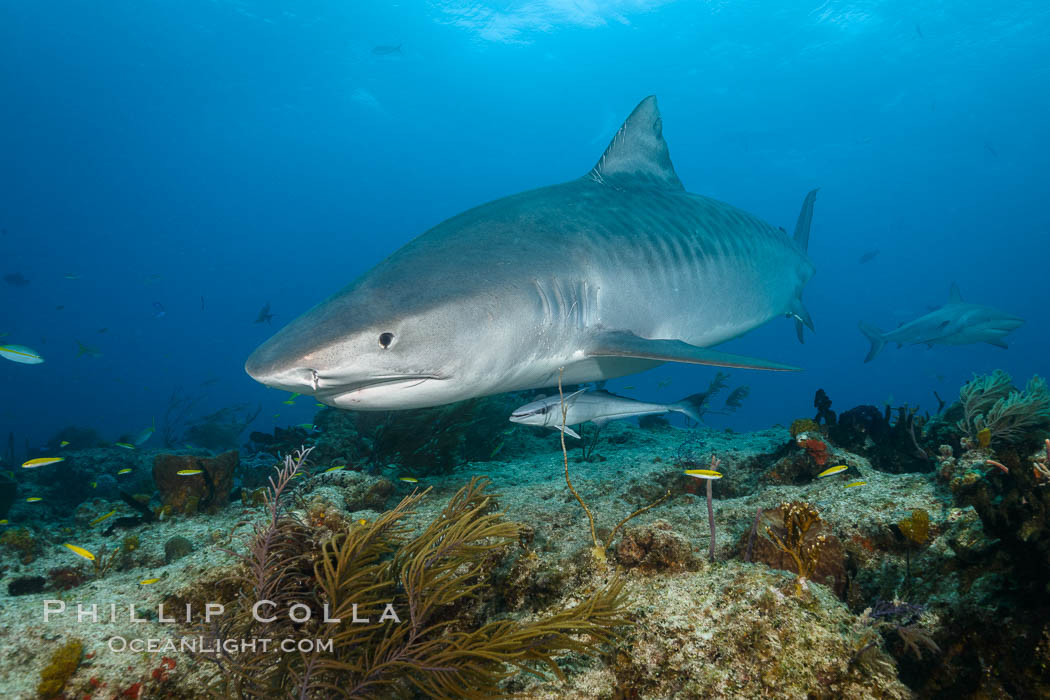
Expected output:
(954, 295)
(802, 317)
(691, 406)
(626, 344)
(638, 154)
(805, 218)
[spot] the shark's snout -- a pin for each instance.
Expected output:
(289, 378)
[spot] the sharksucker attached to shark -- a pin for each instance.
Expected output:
(611, 274)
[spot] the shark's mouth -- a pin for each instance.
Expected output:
(351, 393)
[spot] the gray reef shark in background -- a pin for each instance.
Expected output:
(610, 274)
(598, 407)
(955, 323)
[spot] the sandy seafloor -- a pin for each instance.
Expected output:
(701, 629)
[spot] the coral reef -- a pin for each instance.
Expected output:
(991, 403)
(26, 585)
(176, 548)
(63, 578)
(375, 571)
(21, 541)
(799, 542)
(803, 425)
(655, 548)
(63, 664)
(890, 439)
(191, 492)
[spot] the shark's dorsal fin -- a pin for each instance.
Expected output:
(638, 154)
(954, 295)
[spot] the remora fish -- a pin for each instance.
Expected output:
(955, 323)
(610, 274)
(598, 407)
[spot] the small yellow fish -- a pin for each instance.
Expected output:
(41, 462)
(148, 581)
(408, 479)
(100, 518)
(125, 445)
(21, 354)
(830, 471)
(80, 551)
(125, 470)
(362, 521)
(334, 469)
(854, 483)
(33, 499)
(93, 484)
(703, 473)
(306, 426)
(628, 388)
(189, 472)
(3, 522)
(63, 443)
(319, 405)
(292, 398)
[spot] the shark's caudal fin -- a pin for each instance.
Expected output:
(875, 337)
(805, 218)
(638, 155)
(692, 406)
(627, 344)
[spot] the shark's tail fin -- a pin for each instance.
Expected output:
(805, 218)
(691, 406)
(876, 337)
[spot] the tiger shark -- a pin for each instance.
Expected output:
(610, 274)
(955, 323)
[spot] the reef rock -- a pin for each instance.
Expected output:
(655, 547)
(176, 548)
(194, 493)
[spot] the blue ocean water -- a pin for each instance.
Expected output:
(207, 158)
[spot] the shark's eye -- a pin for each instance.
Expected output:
(542, 409)
(385, 339)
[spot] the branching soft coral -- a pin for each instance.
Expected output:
(400, 599)
(796, 539)
(991, 403)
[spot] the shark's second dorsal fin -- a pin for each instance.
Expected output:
(954, 295)
(638, 153)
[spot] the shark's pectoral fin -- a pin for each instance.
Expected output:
(626, 344)
(999, 344)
